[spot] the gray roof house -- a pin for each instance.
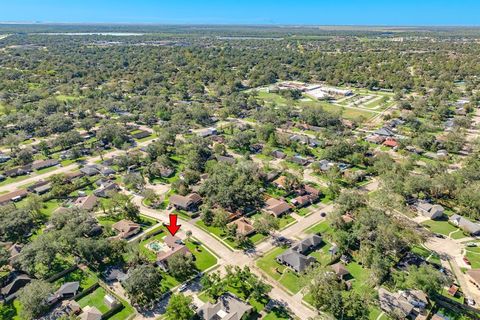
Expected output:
(432, 211)
(386, 132)
(465, 224)
(295, 257)
(8, 291)
(67, 290)
(228, 307)
(295, 260)
(90, 170)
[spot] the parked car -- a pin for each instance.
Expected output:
(183, 287)
(465, 259)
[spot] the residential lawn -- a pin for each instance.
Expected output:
(10, 311)
(442, 227)
(45, 170)
(125, 313)
(277, 314)
(320, 228)
(473, 257)
(203, 258)
(452, 315)
(257, 237)
(12, 180)
(303, 211)
(50, 206)
(280, 273)
(322, 255)
(360, 282)
(426, 254)
(95, 299)
(86, 279)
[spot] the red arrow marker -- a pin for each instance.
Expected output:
(173, 227)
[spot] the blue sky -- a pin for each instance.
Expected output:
(319, 12)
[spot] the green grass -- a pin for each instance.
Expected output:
(320, 228)
(277, 314)
(361, 282)
(66, 98)
(303, 211)
(426, 254)
(125, 313)
(278, 272)
(442, 227)
(95, 299)
(473, 257)
(203, 258)
(86, 279)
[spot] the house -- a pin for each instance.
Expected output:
(187, 203)
(244, 227)
(374, 138)
(466, 225)
(278, 154)
(105, 188)
(107, 171)
(18, 171)
(280, 182)
(428, 210)
(206, 132)
(452, 291)
(114, 274)
(126, 228)
(296, 257)
(43, 189)
(90, 170)
(86, 203)
(391, 143)
(474, 277)
(173, 246)
(18, 282)
(276, 207)
(4, 158)
(228, 307)
(228, 160)
(405, 304)
(110, 301)
(13, 196)
(67, 290)
(385, 132)
(42, 164)
(325, 165)
(309, 196)
(141, 134)
(295, 260)
(299, 160)
(14, 250)
(90, 313)
(340, 270)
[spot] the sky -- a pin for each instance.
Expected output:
(282, 12)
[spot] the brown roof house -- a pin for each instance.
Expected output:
(90, 313)
(86, 203)
(173, 246)
(187, 203)
(228, 307)
(13, 196)
(126, 228)
(340, 270)
(244, 227)
(276, 207)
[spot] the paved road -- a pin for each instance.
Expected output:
(229, 257)
(72, 167)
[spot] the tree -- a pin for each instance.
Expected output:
(233, 188)
(220, 219)
(181, 266)
(33, 298)
(213, 284)
(326, 293)
(425, 278)
(4, 256)
(179, 308)
(266, 223)
(143, 285)
(15, 223)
